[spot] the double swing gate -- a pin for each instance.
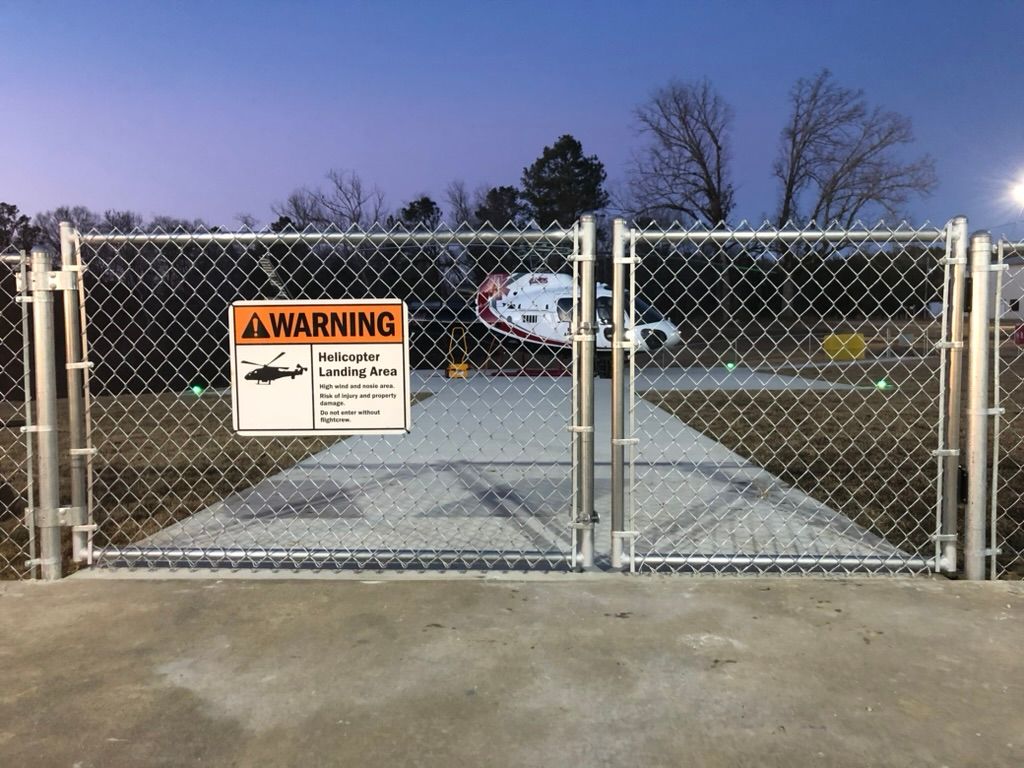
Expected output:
(719, 400)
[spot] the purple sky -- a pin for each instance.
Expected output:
(209, 109)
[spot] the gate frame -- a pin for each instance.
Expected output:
(583, 237)
(20, 264)
(946, 455)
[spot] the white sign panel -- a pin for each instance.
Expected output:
(335, 367)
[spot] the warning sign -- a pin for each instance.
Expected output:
(359, 322)
(320, 368)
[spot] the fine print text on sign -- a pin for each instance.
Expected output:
(337, 367)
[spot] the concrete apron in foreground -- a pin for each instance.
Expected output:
(487, 466)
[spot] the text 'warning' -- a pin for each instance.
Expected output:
(318, 324)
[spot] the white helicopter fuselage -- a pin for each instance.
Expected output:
(537, 308)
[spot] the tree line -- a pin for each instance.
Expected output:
(838, 158)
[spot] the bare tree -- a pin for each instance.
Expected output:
(460, 203)
(346, 202)
(839, 158)
(684, 169)
(350, 202)
(247, 221)
(80, 217)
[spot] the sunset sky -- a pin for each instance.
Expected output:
(208, 110)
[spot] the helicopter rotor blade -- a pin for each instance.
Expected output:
(275, 359)
(247, 362)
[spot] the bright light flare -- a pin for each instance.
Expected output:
(1018, 194)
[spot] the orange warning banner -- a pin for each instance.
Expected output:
(318, 323)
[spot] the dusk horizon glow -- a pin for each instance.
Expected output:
(210, 111)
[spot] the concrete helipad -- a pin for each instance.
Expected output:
(488, 468)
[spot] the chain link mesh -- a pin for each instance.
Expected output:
(1007, 535)
(483, 479)
(16, 499)
(794, 426)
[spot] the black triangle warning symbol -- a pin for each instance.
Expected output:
(255, 329)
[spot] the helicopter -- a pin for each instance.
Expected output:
(268, 372)
(537, 307)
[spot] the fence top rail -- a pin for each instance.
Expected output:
(791, 235)
(354, 237)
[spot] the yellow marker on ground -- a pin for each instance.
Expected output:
(844, 346)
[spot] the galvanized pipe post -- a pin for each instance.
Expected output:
(619, 234)
(951, 468)
(585, 401)
(47, 513)
(978, 411)
(76, 397)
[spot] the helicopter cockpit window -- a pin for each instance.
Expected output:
(604, 310)
(565, 310)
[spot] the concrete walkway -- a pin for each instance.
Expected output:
(487, 467)
(607, 671)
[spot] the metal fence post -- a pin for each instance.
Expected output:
(618, 501)
(48, 508)
(951, 468)
(585, 400)
(978, 410)
(76, 398)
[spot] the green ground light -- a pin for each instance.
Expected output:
(884, 384)
(197, 389)
(730, 366)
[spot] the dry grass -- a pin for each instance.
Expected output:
(865, 453)
(162, 458)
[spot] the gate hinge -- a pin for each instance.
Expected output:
(992, 551)
(625, 534)
(941, 452)
(949, 345)
(942, 537)
(953, 262)
(627, 260)
(85, 364)
(575, 428)
(626, 345)
(71, 517)
(86, 554)
(988, 412)
(83, 451)
(581, 258)
(57, 280)
(625, 441)
(41, 561)
(998, 267)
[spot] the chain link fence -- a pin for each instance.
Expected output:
(1006, 535)
(795, 419)
(17, 539)
(777, 400)
(484, 479)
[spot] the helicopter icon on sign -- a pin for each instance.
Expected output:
(265, 373)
